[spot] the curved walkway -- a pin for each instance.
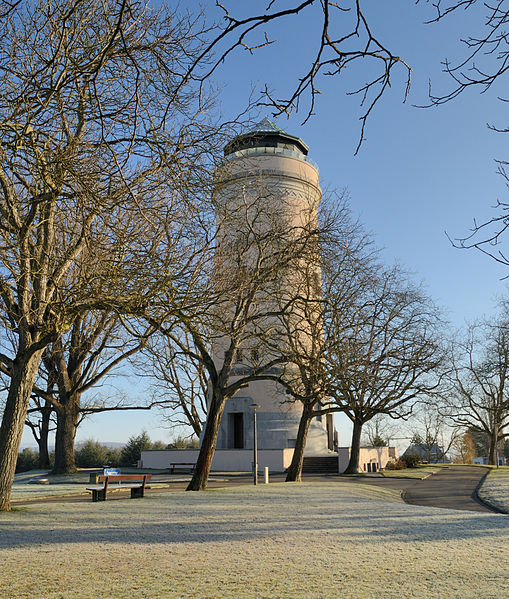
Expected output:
(454, 487)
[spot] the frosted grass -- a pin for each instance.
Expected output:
(68, 484)
(310, 540)
(61, 485)
(495, 489)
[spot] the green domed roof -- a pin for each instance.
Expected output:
(266, 134)
(266, 126)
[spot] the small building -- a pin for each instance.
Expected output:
(483, 460)
(371, 459)
(429, 453)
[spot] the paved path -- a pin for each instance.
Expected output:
(454, 487)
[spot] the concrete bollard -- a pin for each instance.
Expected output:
(266, 475)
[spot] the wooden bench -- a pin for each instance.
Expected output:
(136, 482)
(187, 465)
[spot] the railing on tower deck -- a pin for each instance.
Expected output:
(270, 150)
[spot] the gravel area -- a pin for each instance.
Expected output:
(309, 540)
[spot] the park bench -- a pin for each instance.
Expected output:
(186, 465)
(136, 482)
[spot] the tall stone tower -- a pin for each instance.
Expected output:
(266, 175)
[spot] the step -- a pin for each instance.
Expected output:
(320, 465)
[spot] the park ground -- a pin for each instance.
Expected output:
(311, 540)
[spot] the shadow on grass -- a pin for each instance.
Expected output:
(230, 515)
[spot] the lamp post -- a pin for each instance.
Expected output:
(496, 444)
(253, 406)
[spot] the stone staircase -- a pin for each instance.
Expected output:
(320, 465)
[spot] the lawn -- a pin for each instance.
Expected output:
(68, 484)
(495, 489)
(299, 541)
(60, 484)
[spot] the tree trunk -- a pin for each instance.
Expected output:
(294, 473)
(492, 449)
(200, 476)
(23, 374)
(67, 420)
(353, 464)
(42, 441)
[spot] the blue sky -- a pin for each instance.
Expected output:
(419, 173)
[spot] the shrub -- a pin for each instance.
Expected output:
(181, 442)
(131, 452)
(114, 457)
(157, 445)
(28, 459)
(411, 460)
(395, 465)
(92, 454)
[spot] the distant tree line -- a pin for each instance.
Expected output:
(93, 454)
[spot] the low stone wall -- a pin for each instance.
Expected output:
(225, 460)
(371, 459)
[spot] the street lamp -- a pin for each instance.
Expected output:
(253, 406)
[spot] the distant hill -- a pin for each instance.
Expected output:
(110, 444)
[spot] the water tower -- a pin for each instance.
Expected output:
(266, 167)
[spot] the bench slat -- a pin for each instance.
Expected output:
(120, 477)
(115, 486)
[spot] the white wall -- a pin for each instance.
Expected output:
(224, 460)
(378, 455)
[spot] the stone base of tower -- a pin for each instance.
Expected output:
(275, 430)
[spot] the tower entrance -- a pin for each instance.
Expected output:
(236, 430)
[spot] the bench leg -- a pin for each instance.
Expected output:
(137, 492)
(98, 495)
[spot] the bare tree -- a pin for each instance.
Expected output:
(77, 363)
(342, 41)
(98, 111)
(179, 379)
(8, 6)
(386, 355)
(379, 431)
(95, 144)
(251, 274)
(479, 398)
(432, 430)
(327, 282)
(41, 421)
(240, 293)
(486, 56)
(483, 63)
